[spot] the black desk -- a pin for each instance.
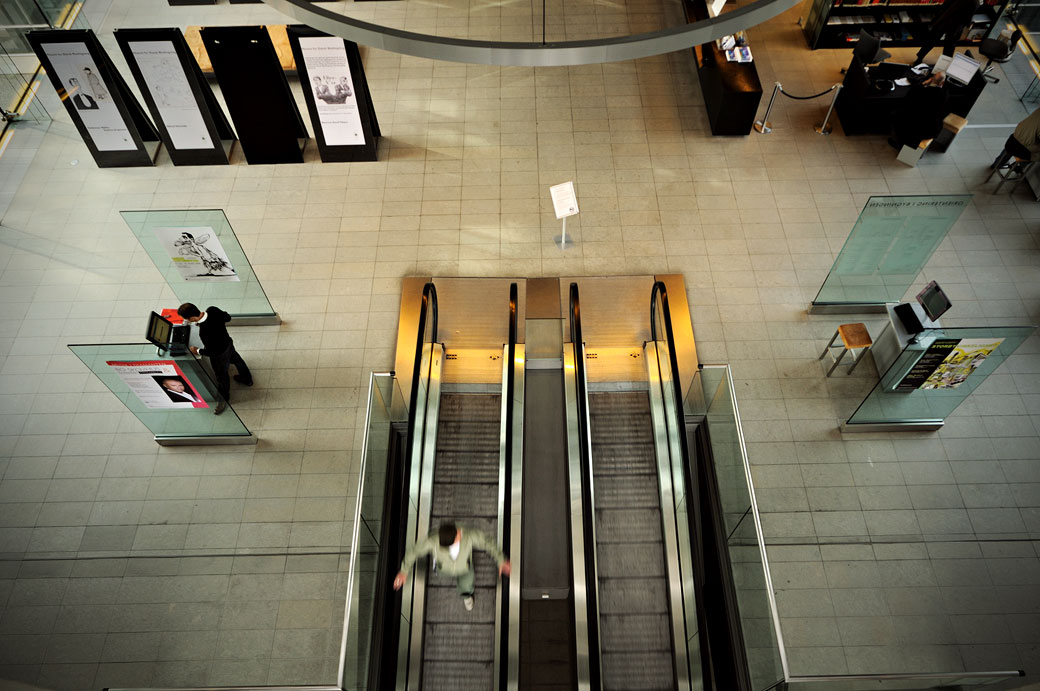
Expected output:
(863, 109)
(731, 90)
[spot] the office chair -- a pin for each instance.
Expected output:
(995, 50)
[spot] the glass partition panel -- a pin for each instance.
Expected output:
(889, 245)
(933, 376)
(746, 552)
(385, 406)
(172, 395)
(201, 259)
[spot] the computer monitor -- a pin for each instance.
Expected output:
(934, 301)
(868, 48)
(962, 69)
(160, 331)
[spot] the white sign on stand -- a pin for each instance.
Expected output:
(565, 203)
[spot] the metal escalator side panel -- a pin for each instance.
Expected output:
(681, 594)
(420, 495)
(516, 488)
(581, 628)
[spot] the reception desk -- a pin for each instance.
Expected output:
(863, 108)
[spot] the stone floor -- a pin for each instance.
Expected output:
(125, 564)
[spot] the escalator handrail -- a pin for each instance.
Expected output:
(693, 496)
(506, 512)
(591, 590)
(429, 305)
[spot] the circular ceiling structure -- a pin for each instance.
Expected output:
(531, 54)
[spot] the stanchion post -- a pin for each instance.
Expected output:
(825, 127)
(763, 126)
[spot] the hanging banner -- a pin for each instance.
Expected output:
(337, 95)
(259, 100)
(964, 359)
(159, 384)
(197, 253)
(108, 117)
(190, 120)
(76, 70)
(333, 90)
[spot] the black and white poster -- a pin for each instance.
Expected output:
(168, 86)
(79, 75)
(197, 254)
(335, 97)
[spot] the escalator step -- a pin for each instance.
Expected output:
(638, 672)
(444, 604)
(636, 560)
(628, 525)
(632, 632)
(461, 642)
(626, 461)
(626, 491)
(458, 676)
(633, 596)
(456, 499)
(463, 467)
(470, 406)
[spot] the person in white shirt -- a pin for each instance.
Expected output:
(177, 392)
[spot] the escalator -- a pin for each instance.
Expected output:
(635, 642)
(660, 610)
(458, 469)
(458, 645)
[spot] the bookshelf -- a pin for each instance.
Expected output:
(898, 23)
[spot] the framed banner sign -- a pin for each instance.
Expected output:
(110, 120)
(336, 90)
(190, 121)
(269, 126)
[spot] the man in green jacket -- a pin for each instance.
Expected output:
(452, 550)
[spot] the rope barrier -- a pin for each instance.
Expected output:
(765, 127)
(806, 98)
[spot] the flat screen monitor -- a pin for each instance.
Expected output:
(962, 69)
(934, 301)
(160, 331)
(868, 48)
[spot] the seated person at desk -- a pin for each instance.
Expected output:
(921, 113)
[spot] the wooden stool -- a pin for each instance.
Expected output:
(853, 337)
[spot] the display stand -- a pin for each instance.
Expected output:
(893, 239)
(332, 77)
(732, 91)
(202, 261)
(933, 375)
(257, 94)
(111, 121)
(190, 120)
(138, 374)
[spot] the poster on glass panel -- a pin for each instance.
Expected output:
(158, 384)
(197, 254)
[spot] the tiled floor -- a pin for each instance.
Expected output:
(126, 564)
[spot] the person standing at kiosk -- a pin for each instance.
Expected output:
(218, 346)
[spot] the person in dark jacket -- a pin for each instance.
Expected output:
(218, 347)
(922, 112)
(953, 16)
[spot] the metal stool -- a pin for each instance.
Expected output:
(853, 337)
(1010, 169)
